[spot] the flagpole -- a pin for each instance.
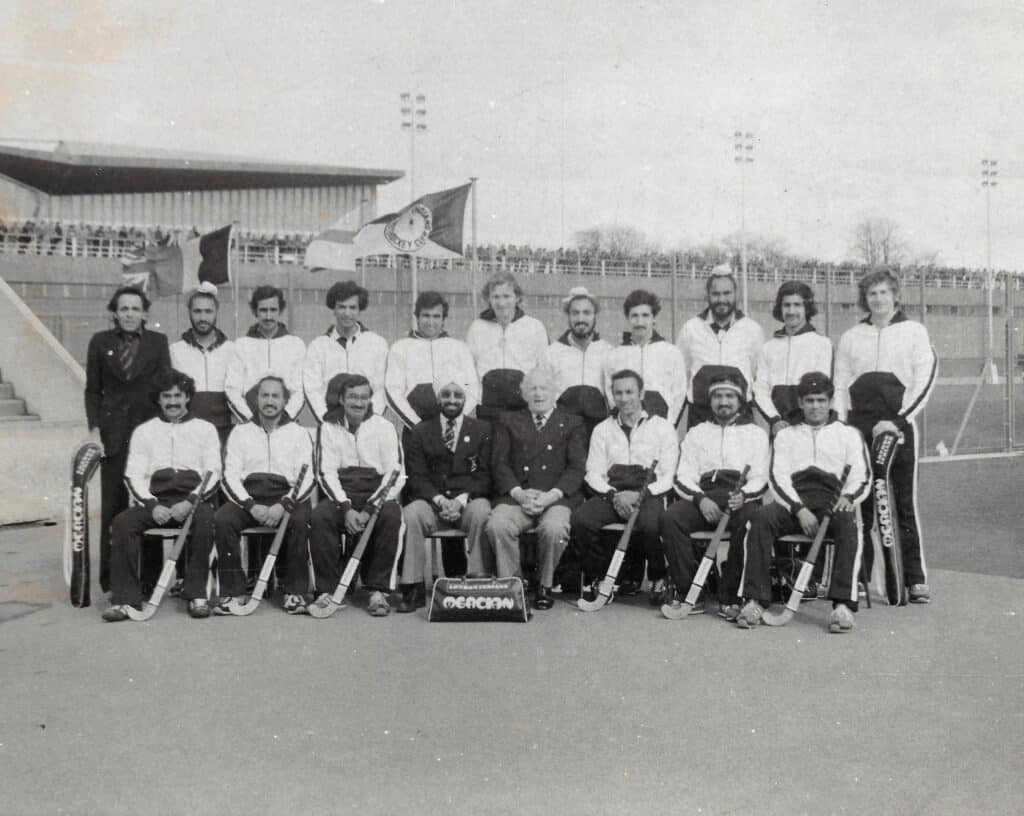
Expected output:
(415, 282)
(473, 286)
(398, 290)
(235, 271)
(675, 302)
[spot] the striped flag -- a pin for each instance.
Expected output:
(430, 227)
(333, 248)
(180, 268)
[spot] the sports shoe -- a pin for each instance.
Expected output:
(751, 615)
(323, 601)
(378, 606)
(118, 612)
(728, 611)
(199, 608)
(919, 594)
(178, 587)
(658, 593)
(840, 620)
(223, 606)
(295, 605)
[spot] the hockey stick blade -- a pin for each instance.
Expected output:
(780, 618)
(676, 612)
(599, 601)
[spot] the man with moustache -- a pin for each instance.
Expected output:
(203, 353)
(660, 364)
(347, 347)
(427, 356)
(121, 365)
(167, 458)
(721, 339)
(791, 352)
(267, 346)
(448, 462)
(539, 462)
(578, 360)
(505, 344)
(262, 462)
(356, 451)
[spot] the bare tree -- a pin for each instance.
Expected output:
(878, 242)
(617, 240)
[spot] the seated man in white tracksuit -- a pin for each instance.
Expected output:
(262, 462)
(167, 457)
(267, 346)
(347, 347)
(203, 353)
(791, 352)
(428, 355)
(356, 452)
(808, 460)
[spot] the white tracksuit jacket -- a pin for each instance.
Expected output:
(251, 451)
(578, 371)
(374, 445)
(652, 438)
(783, 360)
(738, 347)
(256, 356)
(414, 364)
(364, 353)
(709, 448)
(209, 368)
(661, 365)
(172, 447)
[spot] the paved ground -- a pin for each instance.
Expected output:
(918, 711)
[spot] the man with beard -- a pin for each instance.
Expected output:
(794, 350)
(622, 448)
(505, 344)
(267, 346)
(356, 451)
(721, 339)
(348, 347)
(203, 353)
(807, 461)
(261, 465)
(121, 364)
(578, 360)
(711, 461)
(428, 355)
(661, 365)
(448, 461)
(539, 460)
(167, 458)
(885, 372)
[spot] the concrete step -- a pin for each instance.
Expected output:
(6, 391)
(11, 418)
(11, 407)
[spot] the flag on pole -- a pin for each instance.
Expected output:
(333, 248)
(180, 268)
(430, 227)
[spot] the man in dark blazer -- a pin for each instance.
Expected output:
(448, 470)
(540, 457)
(121, 365)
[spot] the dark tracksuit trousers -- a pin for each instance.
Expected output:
(595, 550)
(774, 520)
(379, 565)
(126, 546)
(231, 519)
(683, 518)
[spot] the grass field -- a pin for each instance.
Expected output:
(986, 429)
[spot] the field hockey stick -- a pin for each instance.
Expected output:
(706, 563)
(336, 600)
(247, 608)
(607, 586)
(150, 606)
(796, 596)
(84, 462)
(885, 528)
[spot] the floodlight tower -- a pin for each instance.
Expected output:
(414, 115)
(989, 179)
(743, 143)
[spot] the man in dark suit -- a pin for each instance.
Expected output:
(540, 457)
(121, 365)
(448, 467)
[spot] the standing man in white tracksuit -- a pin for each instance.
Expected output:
(791, 352)
(807, 462)
(204, 353)
(660, 364)
(347, 347)
(578, 360)
(885, 372)
(719, 339)
(427, 356)
(505, 344)
(267, 346)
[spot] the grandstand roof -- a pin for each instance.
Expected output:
(79, 168)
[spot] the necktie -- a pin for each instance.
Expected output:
(449, 435)
(126, 352)
(538, 420)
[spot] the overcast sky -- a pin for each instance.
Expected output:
(624, 111)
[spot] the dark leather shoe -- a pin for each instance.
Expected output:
(408, 602)
(420, 596)
(543, 600)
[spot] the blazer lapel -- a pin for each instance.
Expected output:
(111, 358)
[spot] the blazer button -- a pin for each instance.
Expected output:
(526, 468)
(543, 467)
(550, 448)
